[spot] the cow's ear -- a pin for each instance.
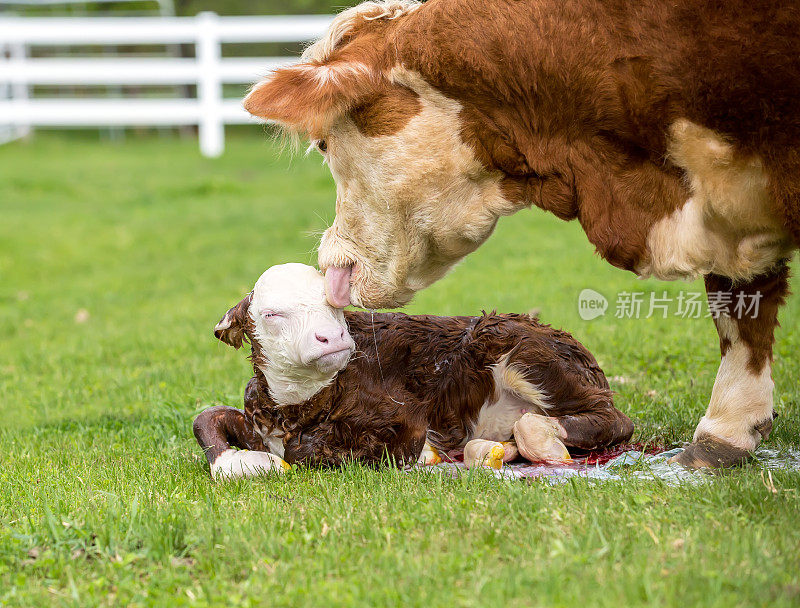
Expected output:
(308, 97)
(231, 328)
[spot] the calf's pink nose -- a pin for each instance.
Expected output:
(330, 336)
(333, 339)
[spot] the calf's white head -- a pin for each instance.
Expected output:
(300, 342)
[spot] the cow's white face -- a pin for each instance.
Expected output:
(409, 203)
(412, 199)
(303, 341)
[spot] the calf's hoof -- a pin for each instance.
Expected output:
(484, 453)
(429, 455)
(538, 439)
(233, 464)
(709, 452)
(511, 451)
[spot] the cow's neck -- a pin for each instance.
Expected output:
(569, 128)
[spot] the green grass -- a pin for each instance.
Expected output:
(104, 496)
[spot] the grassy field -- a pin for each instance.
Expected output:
(116, 261)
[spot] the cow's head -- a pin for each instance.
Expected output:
(412, 199)
(300, 342)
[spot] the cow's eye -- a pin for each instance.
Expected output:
(322, 145)
(269, 314)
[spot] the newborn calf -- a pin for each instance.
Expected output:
(330, 385)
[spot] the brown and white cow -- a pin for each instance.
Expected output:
(670, 130)
(330, 385)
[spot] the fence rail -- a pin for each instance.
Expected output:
(208, 69)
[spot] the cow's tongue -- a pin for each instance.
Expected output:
(337, 286)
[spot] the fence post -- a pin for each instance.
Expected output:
(209, 85)
(6, 130)
(19, 89)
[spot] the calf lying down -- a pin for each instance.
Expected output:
(331, 385)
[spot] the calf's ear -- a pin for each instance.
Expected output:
(231, 328)
(308, 97)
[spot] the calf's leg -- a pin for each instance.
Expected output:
(221, 429)
(740, 413)
(601, 427)
(548, 438)
(570, 392)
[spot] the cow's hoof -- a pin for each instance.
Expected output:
(711, 453)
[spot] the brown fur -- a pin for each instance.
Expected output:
(220, 427)
(231, 328)
(759, 332)
(414, 377)
(572, 100)
(583, 93)
(570, 103)
(385, 112)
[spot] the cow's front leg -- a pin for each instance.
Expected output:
(220, 430)
(740, 412)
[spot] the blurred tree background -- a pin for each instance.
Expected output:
(261, 7)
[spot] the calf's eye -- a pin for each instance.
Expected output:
(322, 145)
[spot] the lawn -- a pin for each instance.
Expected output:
(117, 260)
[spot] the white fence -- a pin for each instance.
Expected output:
(210, 111)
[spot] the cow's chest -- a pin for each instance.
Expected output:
(729, 226)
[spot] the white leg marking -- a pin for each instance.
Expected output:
(740, 398)
(274, 445)
(496, 419)
(232, 464)
(680, 246)
(686, 245)
(514, 396)
(274, 442)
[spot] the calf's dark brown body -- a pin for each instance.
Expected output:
(418, 377)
